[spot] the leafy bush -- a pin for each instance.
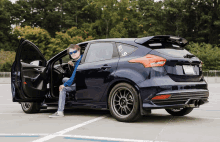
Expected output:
(40, 37)
(6, 60)
(207, 53)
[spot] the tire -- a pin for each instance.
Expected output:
(181, 112)
(124, 103)
(30, 107)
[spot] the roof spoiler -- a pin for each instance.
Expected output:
(162, 38)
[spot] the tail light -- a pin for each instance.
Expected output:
(200, 65)
(161, 97)
(150, 61)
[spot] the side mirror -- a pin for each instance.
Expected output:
(37, 63)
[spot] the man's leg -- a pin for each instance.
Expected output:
(62, 98)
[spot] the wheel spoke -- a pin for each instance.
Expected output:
(120, 94)
(127, 95)
(125, 110)
(128, 108)
(131, 100)
(129, 103)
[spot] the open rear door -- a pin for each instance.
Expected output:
(28, 74)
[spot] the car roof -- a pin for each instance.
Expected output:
(111, 39)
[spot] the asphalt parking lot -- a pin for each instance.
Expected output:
(81, 125)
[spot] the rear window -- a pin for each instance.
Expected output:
(169, 49)
(173, 52)
(164, 45)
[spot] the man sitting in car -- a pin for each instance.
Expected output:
(68, 86)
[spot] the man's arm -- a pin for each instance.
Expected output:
(71, 63)
(70, 81)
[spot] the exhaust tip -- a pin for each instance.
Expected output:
(196, 103)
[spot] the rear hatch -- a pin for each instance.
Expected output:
(181, 65)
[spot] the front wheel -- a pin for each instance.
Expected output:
(123, 103)
(30, 107)
(179, 112)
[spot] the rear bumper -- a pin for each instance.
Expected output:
(183, 94)
(192, 104)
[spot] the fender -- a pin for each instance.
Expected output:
(133, 75)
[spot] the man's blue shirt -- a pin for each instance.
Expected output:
(70, 81)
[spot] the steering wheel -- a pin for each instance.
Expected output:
(70, 68)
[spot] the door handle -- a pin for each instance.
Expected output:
(105, 67)
(38, 70)
(34, 79)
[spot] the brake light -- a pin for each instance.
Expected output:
(200, 65)
(161, 97)
(149, 61)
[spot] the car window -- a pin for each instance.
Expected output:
(29, 54)
(65, 59)
(99, 51)
(124, 49)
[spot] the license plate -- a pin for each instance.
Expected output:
(188, 70)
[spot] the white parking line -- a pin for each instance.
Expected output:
(22, 134)
(81, 136)
(68, 130)
(109, 139)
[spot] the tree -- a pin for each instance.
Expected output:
(5, 25)
(40, 37)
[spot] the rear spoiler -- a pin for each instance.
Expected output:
(162, 38)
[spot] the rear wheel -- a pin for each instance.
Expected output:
(179, 112)
(123, 103)
(30, 107)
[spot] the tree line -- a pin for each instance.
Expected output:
(54, 24)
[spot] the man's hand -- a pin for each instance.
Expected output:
(71, 63)
(61, 87)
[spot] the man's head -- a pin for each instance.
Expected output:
(74, 51)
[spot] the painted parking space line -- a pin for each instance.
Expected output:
(21, 135)
(104, 139)
(51, 136)
(79, 137)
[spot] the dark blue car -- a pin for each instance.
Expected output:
(128, 76)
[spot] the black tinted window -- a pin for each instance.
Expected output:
(125, 49)
(29, 54)
(99, 51)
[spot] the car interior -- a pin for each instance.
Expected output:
(61, 69)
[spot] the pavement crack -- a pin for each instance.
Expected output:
(163, 128)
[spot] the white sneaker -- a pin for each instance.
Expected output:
(57, 114)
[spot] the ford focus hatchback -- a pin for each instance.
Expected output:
(127, 76)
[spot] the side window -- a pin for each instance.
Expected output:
(125, 49)
(68, 58)
(29, 54)
(99, 51)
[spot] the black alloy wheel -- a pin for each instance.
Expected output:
(30, 107)
(180, 111)
(123, 103)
